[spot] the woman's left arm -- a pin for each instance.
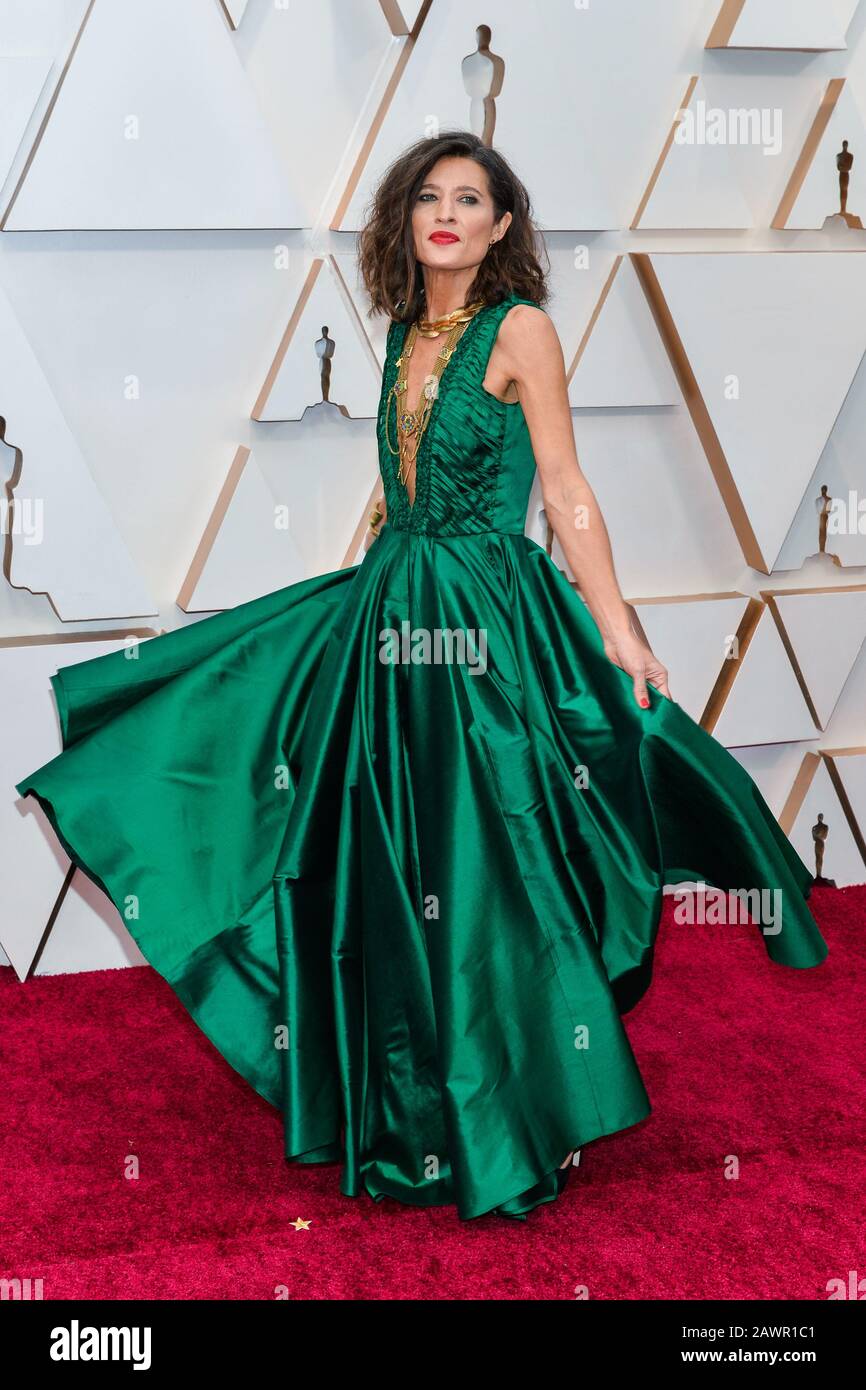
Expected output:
(531, 353)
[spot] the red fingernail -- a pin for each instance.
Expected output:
(644, 704)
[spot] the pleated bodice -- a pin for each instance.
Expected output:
(475, 464)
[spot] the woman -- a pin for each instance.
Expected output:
(397, 835)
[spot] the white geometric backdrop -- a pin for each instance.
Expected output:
(181, 184)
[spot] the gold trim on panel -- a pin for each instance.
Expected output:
(797, 795)
(847, 808)
(581, 347)
(663, 156)
(726, 22)
(316, 267)
(227, 16)
(816, 589)
(723, 30)
(379, 118)
(215, 521)
(771, 595)
(397, 22)
(45, 119)
(731, 667)
(45, 639)
(792, 657)
(690, 598)
(701, 418)
(808, 152)
(315, 270)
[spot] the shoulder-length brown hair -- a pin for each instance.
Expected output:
(386, 248)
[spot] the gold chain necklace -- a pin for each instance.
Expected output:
(431, 328)
(411, 424)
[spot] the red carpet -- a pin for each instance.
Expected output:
(740, 1057)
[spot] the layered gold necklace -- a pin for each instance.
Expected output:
(411, 424)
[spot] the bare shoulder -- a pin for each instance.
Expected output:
(528, 340)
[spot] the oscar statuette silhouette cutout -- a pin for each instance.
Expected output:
(820, 831)
(823, 511)
(324, 351)
(483, 73)
(844, 163)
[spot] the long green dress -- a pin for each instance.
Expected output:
(410, 900)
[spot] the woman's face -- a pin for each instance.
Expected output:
(453, 217)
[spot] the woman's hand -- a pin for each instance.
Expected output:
(381, 505)
(371, 536)
(632, 655)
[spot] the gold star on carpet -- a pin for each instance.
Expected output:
(300, 1224)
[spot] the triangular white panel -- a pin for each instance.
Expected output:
(696, 186)
(842, 859)
(765, 703)
(845, 11)
(65, 542)
(355, 375)
(247, 553)
(744, 321)
(652, 483)
(21, 83)
(34, 864)
(236, 9)
(87, 934)
(819, 196)
(847, 725)
(156, 125)
(691, 639)
(578, 279)
(826, 632)
(624, 362)
(346, 274)
(810, 25)
(851, 768)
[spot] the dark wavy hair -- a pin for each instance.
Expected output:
(386, 250)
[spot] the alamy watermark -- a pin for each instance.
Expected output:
(712, 125)
(708, 906)
(437, 646)
(26, 519)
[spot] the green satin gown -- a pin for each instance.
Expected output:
(382, 887)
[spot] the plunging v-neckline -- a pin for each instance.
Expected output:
(410, 505)
(444, 369)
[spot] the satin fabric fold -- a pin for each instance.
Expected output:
(464, 1012)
